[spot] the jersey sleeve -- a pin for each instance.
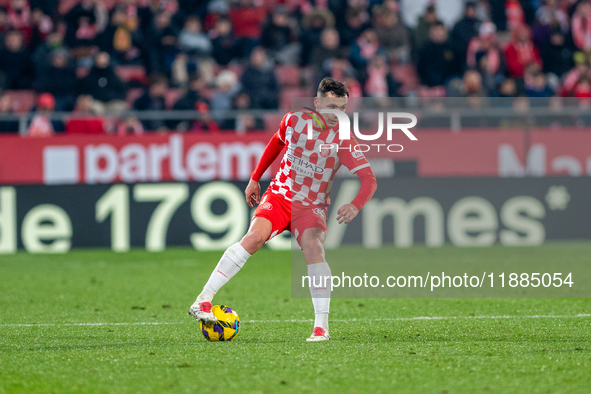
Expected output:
(367, 189)
(273, 149)
(352, 158)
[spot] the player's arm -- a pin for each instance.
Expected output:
(356, 162)
(273, 149)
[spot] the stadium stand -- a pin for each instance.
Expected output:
(543, 47)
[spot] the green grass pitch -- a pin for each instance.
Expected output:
(533, 345)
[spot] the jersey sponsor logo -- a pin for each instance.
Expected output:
(304, 167)
(320, 213)
(267, 206)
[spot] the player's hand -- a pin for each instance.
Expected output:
(346, 213)
(253, 193)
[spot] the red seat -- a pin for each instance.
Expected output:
(22, 100)
(288, 93)
(92, 125)
(435, 91)
(132, 73)
(288, 75)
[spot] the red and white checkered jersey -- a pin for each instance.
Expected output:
(308, 166)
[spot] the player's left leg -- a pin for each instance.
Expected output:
(312, 244)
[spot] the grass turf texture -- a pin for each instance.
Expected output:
(462, 354)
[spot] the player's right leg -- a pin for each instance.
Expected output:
(231, 262)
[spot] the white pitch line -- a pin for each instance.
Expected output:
(88, 324)
(581, 315)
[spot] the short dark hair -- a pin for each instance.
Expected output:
(331, 85)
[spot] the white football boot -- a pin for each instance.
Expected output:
(202, 312)
(319, 334)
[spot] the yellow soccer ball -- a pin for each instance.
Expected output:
(225, 329)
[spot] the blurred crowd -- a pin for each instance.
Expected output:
(100, 58)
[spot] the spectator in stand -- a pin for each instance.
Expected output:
(161, 44)
(84, 22)
(551, 12)
(259, 81)
(244, 121)
(472, 84)
(539, 87)
(129, 126)
(131, 9)
(340, 69)
(583, 90)
(193, 41)
(379, 81)
(491, 76)
(221, 102)
(356, 21)
(193, 95)
(49, 7)
(557, 57)
(216, 10)
(196, 47)
(515, 15)
(189, 101)
(521, 52)
(4, 21)
(508, 88)
(42, 26)
(59, 79)
(464, 31)
(153, 100)
(19, 17)
(579, 73)
(84, 119)
(121, 38)
(548, 19)
(328, 49)
(205, 123)
(436, 62)
(365, 48)
(7, 126)
(104, 85)
(422, 32)
(392, 34)
(15, 62)
(485, 56)
(279, 37)
(247, 18)
(581, 26)
(313, 24)
(469, 85)
(226, 47)
(41, 58)
(41, 124)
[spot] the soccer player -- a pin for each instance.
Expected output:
(297, 199)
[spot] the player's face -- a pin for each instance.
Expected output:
(330, 101)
